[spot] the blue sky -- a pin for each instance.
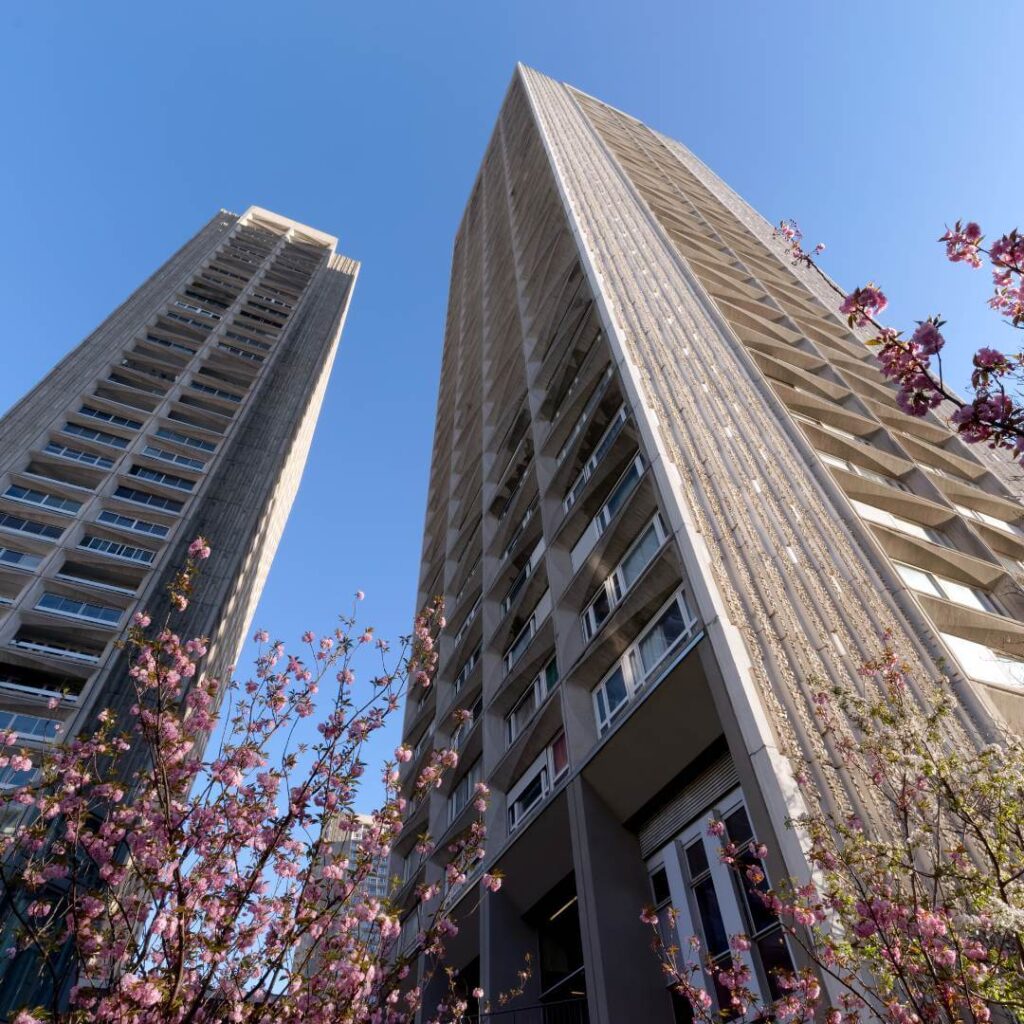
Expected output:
(127, 125)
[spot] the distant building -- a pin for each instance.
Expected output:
(189, 411)
(670, 494)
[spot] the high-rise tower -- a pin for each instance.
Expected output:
(189, 411)
(671, 494)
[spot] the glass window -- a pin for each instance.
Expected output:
(985, 664)
(661, 638)
(638, 559)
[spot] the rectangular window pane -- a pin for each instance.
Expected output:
(660, 640)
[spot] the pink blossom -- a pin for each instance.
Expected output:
(199, 549)
(863, 304)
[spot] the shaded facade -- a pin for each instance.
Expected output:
(671, 495)
(188, 412)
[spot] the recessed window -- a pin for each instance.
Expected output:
(145, 498)
(993, 521)
(867, 474)
(898, 523)
(534, 695)
(131, 523)
(537, 781)
(464, 790)
(600, 450)
(622, 577)
(986, 664)
(671, 632)
(22, 559)
(938, 586)
(54, 502)
(621, 490)
(19, 525)
(62, 605)
(77, 455)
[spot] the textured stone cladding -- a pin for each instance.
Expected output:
(800, 581)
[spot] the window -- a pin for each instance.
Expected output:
(669, 635)
(622, 577)
(170, 344)
(248, 341)
(31, 726)
(145, 498)
(217, 392)
(158, 477)
(537, 781)
(66, 506)
(985, 664)
(867, 474)
(192, 442)
(588, 411)
(241, 353)
(109, 417)
(714, 902)
(467, 622)
(984, 517)
(22, 559)
(518, 532)
(837, 431)
(11, 778)
(622, 489)
(526, 707)
(77, 455)
(465, 727)
(58, 648)
(528, 632)
(166, 456)
(99, 436)
(79, 609)
(938, 586)
(19, 525)
(129, 523)
(196, 309)
(464, 790)
(466, 671)
(110, 547)
(894, 522)
(527, 571)
(600, 450)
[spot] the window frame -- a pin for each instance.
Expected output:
(626, 664)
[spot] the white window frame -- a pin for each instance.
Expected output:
(883, 517)
(537, 618)
(837, 462)
(614, 587)
(631, 666)
(595, 396)
(604, 516)
(672, 857)
(989, 520)
(534, 695)
(467, 622)
(464, 788)
(946, 589)
(544, 769)
(986, 664)
(595, 458)
(528, 569)
(467, 669)
(514, 539)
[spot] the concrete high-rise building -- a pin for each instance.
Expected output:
(189, 411)
(671, 495)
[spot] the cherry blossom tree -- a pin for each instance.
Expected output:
(992, 412)
(200, 889)
(915, 917)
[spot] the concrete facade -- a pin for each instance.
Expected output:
(188, 412)
(671, 495)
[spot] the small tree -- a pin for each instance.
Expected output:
(992, 412)
(199, 889)
(916, 917)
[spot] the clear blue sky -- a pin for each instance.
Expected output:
(125, 126)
